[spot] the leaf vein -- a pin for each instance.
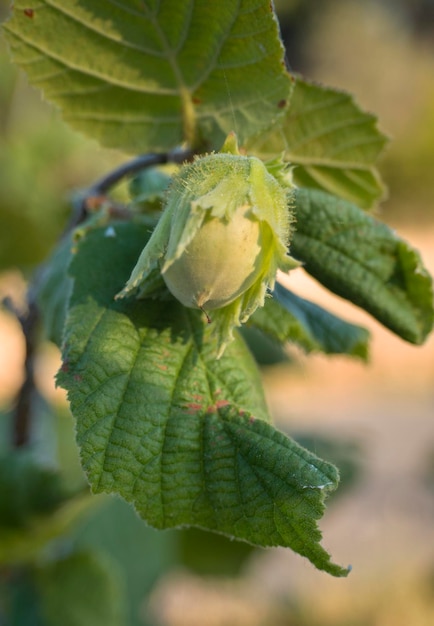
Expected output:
(93, 74)
(123, 43)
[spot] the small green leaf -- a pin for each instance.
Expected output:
(332, 143)
(264, 347)
(170, 428)
(82, 589)
(54, 288)
(143, 76)
(362, 260)
(287, 317)
(148, 189)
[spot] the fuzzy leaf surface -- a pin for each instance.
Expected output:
(179, 434)
(289, 318)
(331, 141)
(148, 75)
(364, 261)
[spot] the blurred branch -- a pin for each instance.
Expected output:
(95, 195)
(21, 416)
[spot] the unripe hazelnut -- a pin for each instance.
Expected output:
(223, 234)
(219, 264)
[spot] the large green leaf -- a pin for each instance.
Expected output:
(172, 429)
(332, 143)
(289, 318)
(143, 75)
(365, 262)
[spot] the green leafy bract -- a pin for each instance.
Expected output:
(148, 75)
(365, 262)
(332, 143)
(289, 318)
(181, 435)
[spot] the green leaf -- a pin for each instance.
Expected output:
(287, 317)
(332, 143)
(264, 347)
(53, 290)
(149, 75)
(148, 189)
(82, 589)
(170, 428)
(364, 261)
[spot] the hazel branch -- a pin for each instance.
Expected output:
(21, 416)
(97, 193)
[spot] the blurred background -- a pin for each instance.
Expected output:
(375, 422)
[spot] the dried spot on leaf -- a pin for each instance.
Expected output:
(193, 408)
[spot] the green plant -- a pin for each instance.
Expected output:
(167, 399)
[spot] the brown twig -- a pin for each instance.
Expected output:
(96, 194)
(21, 423)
